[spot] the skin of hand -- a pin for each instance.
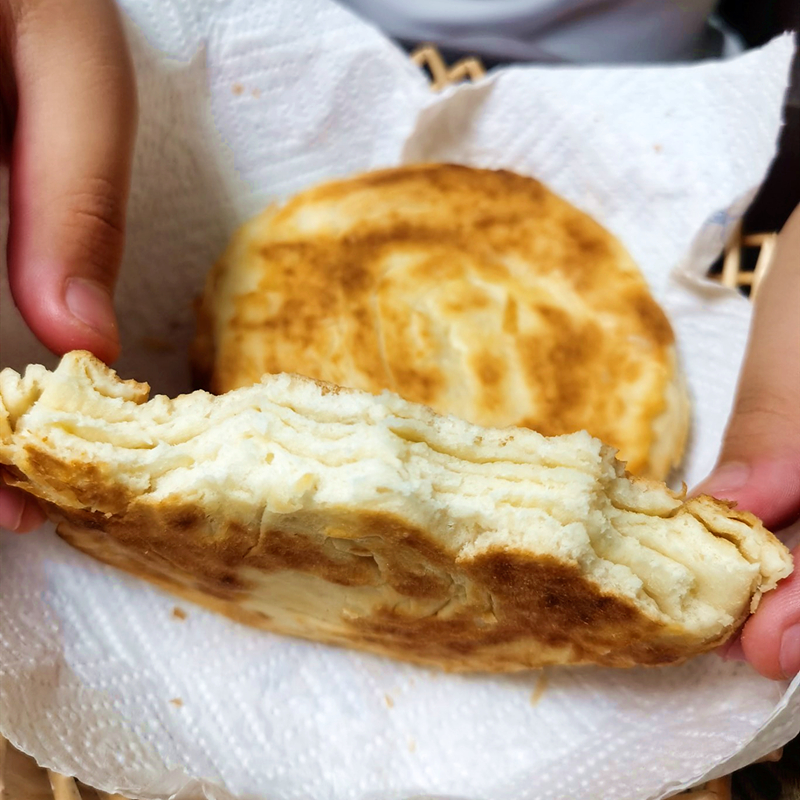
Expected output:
(759, 464)
(68, 112)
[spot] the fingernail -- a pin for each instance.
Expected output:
(725, 480)
(90, 303)
(790, 651)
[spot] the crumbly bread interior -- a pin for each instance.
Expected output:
(372, 522)
(479, 293)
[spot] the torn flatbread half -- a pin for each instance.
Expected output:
(371, 522)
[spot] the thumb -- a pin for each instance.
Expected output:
(759, 464)
(70, 169)
(771, 637)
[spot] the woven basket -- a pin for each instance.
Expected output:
(743, 266)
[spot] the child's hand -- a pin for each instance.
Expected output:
(759, 466)
(67, 127)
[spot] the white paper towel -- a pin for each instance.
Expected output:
(246, 101)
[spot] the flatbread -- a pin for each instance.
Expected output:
(478, 293)
(371, 522)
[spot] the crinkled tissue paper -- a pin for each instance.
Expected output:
(245, 102)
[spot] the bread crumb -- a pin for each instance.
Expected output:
(389, 701)
(657, 148)
(179, 613)
(177, 702)
(412, 745)
(539, 689)
(256, 93)
(237, 88)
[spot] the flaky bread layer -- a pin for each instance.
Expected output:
(371, 522)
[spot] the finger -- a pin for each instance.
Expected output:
(759, 465)
(771, 637)
(70, 171)
(17, 512)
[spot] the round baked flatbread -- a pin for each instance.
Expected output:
(478, 293)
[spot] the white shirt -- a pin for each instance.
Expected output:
(594, 31)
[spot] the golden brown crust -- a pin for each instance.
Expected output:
(531, 613)
(573, 623)
(478, 293)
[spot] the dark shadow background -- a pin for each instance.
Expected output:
(771, 781)
(758, 21)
